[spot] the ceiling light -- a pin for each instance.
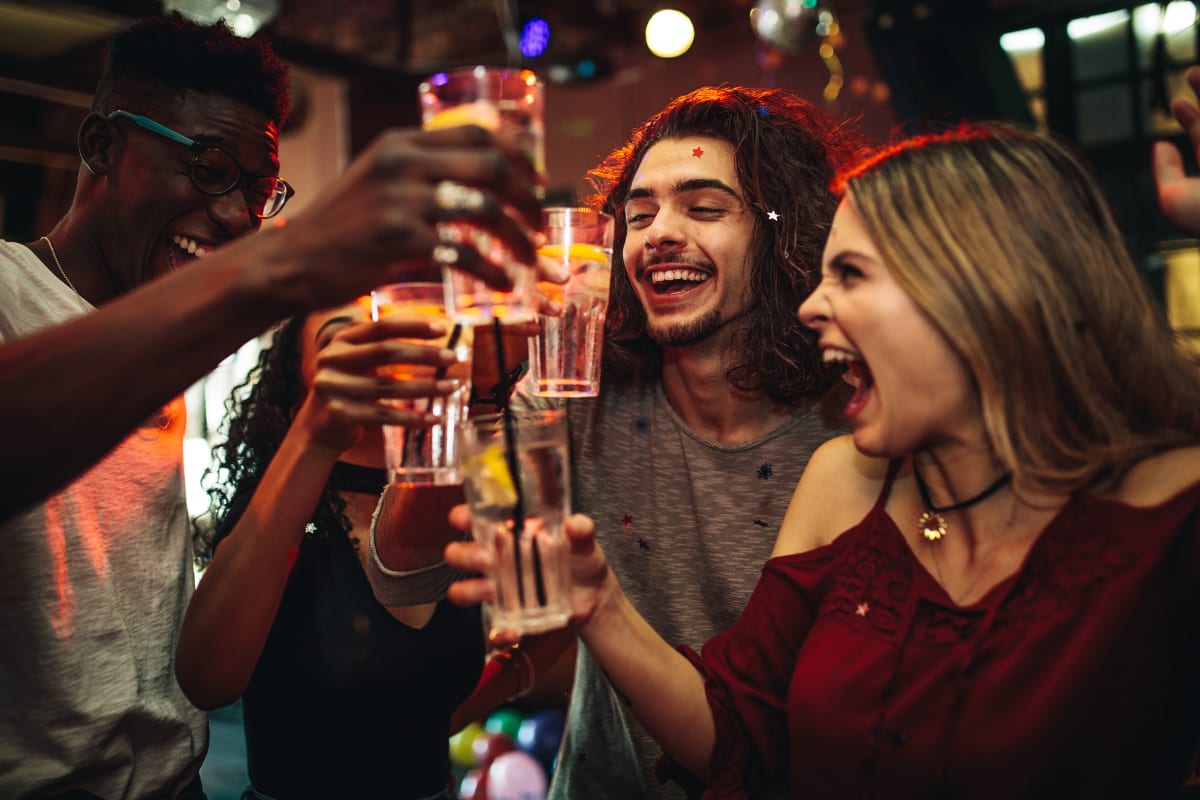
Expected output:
(669, 33)
(1023, 40)
(244, 17)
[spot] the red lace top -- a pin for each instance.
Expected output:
(852, 674)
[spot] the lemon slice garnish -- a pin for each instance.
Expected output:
(491, 476)
(484, 115)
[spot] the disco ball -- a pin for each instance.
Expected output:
(790, 25)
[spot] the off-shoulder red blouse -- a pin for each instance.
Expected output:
(852, 674)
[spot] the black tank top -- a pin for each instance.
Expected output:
(346, 701)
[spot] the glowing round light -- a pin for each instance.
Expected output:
(669, 33)
(244, 25)
(535, 37)
(790, 25)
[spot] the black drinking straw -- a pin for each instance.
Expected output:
(510, 456)
(440, 373)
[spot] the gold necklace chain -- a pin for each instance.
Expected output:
(58, 264)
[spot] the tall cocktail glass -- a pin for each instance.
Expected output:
(510, 103)
(518, 485)
(564, 358)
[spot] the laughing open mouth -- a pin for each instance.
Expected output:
(185, 249)
(857, 375)
(670, 281)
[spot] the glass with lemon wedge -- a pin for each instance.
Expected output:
(564, 359)
(518, 485)
(508, 102)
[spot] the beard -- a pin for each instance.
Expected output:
(684, 334)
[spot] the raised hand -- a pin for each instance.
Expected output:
(378, 220)
(592, 580)
(1178, 192)
(347, 389)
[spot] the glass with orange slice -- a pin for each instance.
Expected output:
(426, 456)
(564, 358)
(508, 102)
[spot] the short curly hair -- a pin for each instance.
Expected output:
(161, 57)
(786, 152)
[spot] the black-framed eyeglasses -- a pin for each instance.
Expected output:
(216, 172)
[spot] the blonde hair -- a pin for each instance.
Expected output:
(1005, 240)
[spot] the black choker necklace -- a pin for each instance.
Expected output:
(933, 524)
(346, 477)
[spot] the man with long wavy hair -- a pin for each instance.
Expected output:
(712, 389)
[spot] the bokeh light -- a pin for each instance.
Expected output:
(669, 33)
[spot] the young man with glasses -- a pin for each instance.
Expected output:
(156, 272)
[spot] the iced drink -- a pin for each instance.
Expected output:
(417, 455)
(565, 356)
(508, 102)
(518, 507)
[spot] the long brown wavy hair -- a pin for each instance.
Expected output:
(786, 153)
(257, 416)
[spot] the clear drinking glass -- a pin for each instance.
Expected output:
(564, 357)
(509, 102)
(518, 485)
(426, 455)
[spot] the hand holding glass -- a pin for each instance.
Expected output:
(508, 102)
(518, 483)
(426, 456)
(565, 356)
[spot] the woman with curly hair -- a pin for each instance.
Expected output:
(343, 695)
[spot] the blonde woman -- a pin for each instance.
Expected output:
(989, 589)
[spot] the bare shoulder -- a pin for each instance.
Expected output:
(1160, 477)
(839, 486)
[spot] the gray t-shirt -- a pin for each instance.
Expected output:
(93, 585)
(686, 524)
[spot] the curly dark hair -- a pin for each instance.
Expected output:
(257, 416)
(787, 152)
(160, 57)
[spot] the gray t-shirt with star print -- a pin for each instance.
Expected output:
(686, 524)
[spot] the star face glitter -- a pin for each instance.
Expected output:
(697, 152)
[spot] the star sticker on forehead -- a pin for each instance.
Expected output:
(773, 215)
(697, 152)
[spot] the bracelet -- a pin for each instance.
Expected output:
(519, 660)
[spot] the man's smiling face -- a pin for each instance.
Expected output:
(687, 247)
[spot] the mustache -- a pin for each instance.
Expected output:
(654, 259)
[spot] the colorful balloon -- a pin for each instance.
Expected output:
(516, 776)
(461, 753)
(504, 720)
(489, 745)
(473, 786)
(540, 736)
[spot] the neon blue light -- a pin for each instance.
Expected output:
(535, 37)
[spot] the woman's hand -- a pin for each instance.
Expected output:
(1179, 193)
(350, 386)
(592, 582)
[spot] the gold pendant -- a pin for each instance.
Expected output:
(933, 527)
